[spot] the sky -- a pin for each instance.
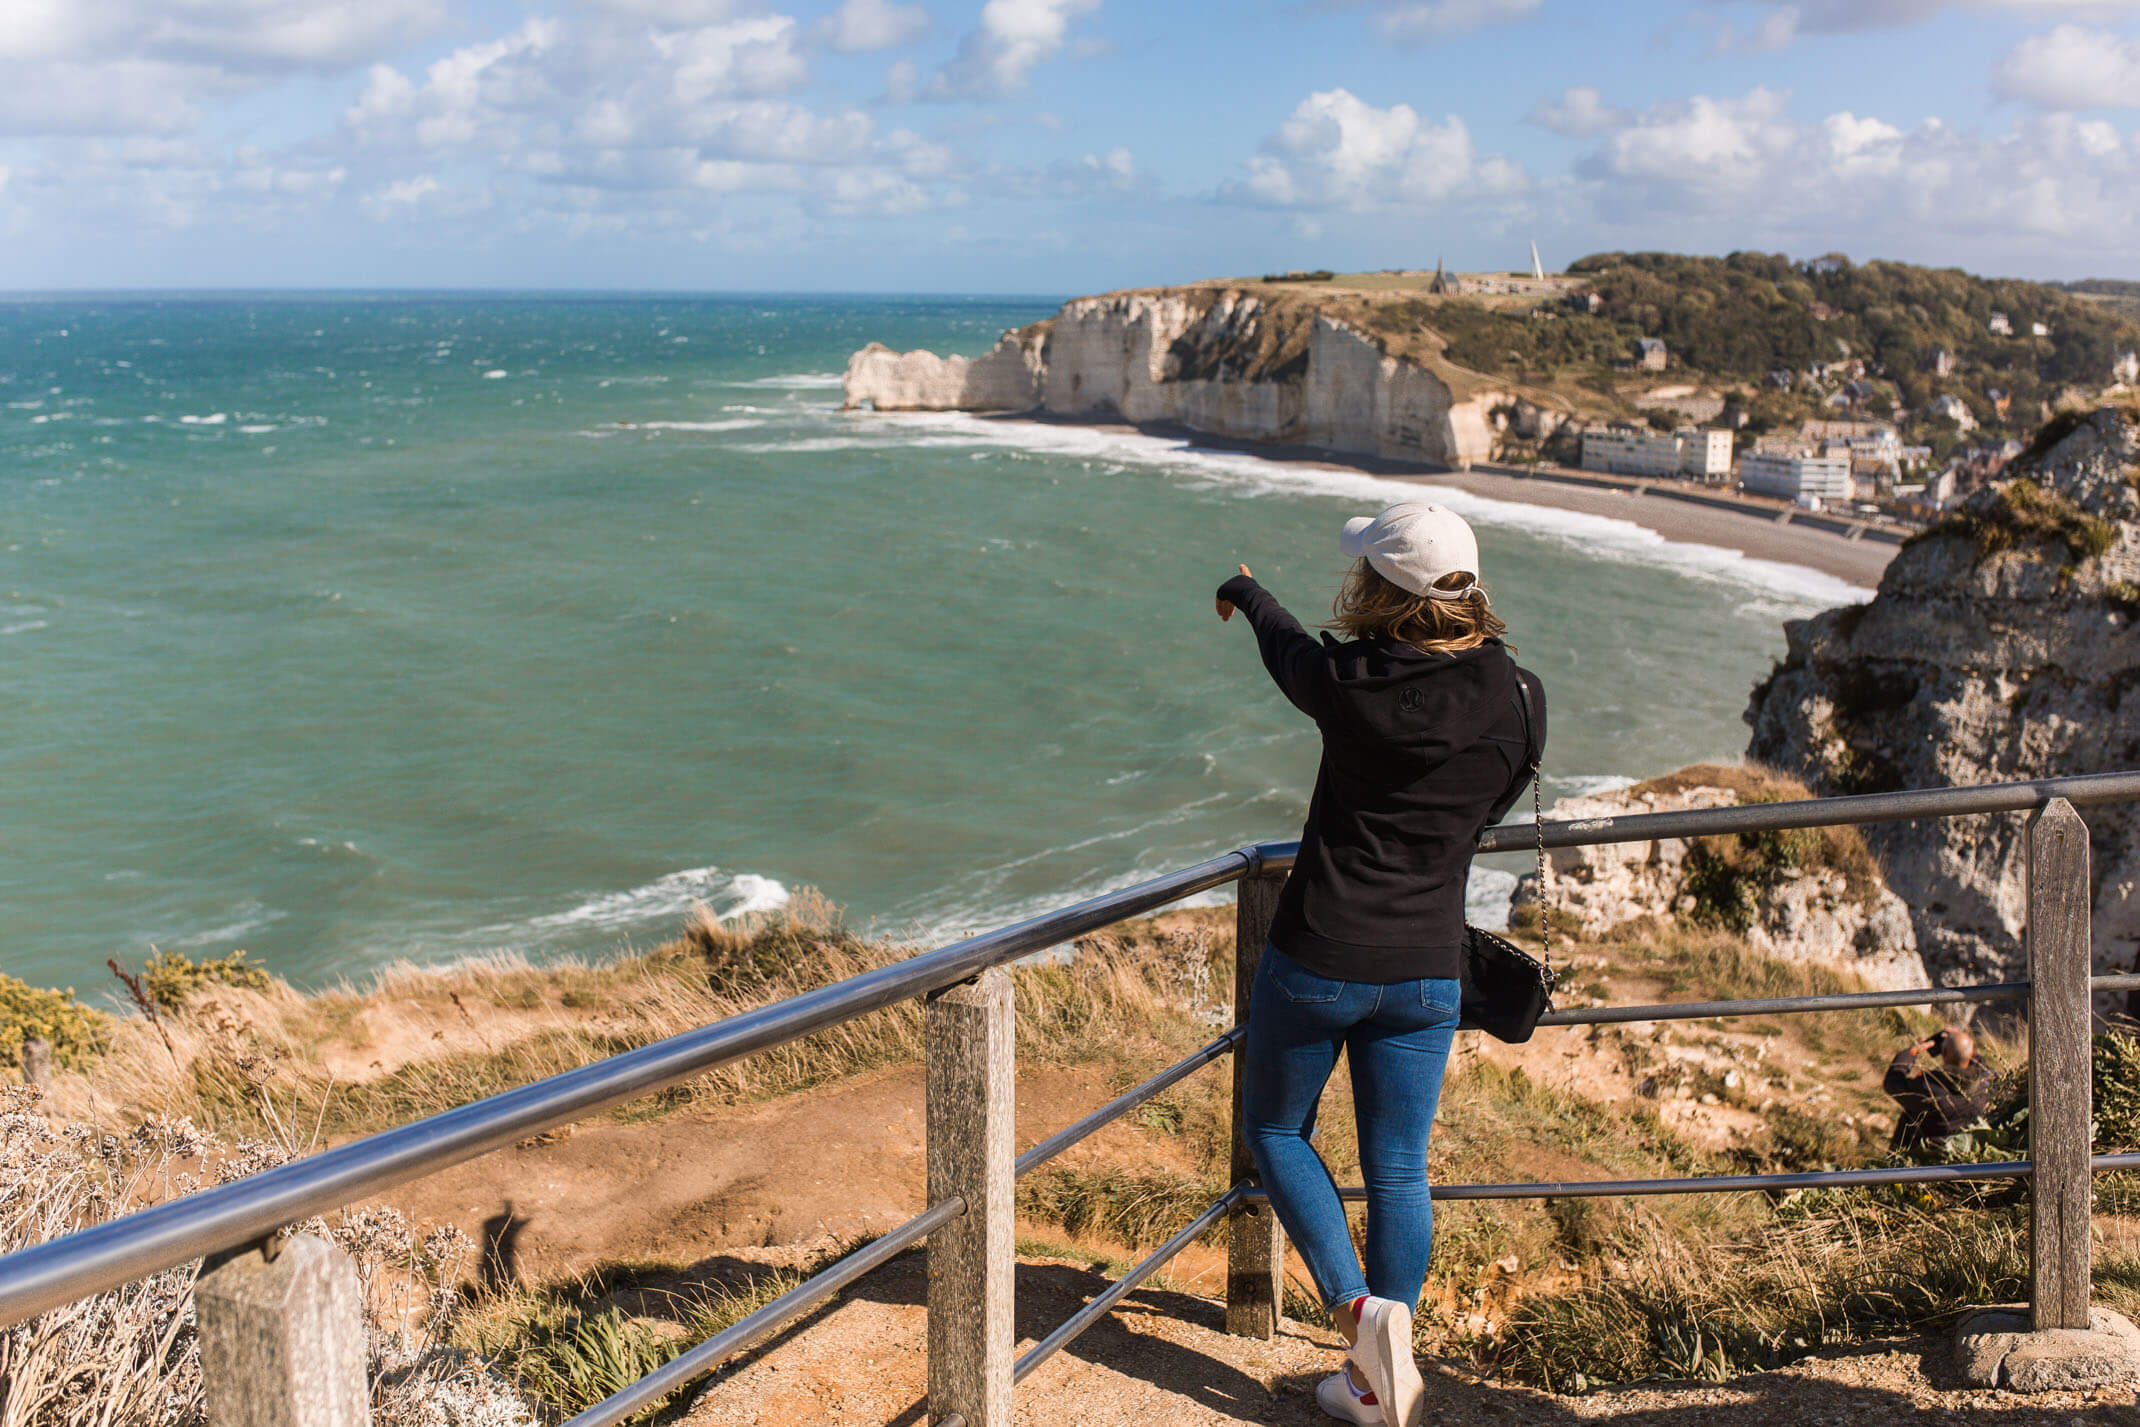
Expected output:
(1045, 146)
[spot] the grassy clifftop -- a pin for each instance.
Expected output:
(1731, 321)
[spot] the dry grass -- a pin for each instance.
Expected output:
(242, 1060)
(129, 1358)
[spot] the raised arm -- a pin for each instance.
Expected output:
(1294, 658)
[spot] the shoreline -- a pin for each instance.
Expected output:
(1751, 532)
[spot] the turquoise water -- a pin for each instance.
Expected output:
(354, 629)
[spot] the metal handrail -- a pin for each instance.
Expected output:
(1738, 1183)
(1115, 1292)
(1857, 808)
(107, 1255)
(1127, 1101)
(650, 1390)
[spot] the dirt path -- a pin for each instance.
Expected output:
(1165, 1359)
(843, 1160)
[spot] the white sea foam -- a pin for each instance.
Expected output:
(1602, 536)
(741, 423)
(495, 374)
(662, 900)
(214, 418)
(23, 628)
(795, 380)
(1590, 785)
(1486, 898)
(257, 430)
(251, 916)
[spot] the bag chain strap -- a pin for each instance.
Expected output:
(1545, 919)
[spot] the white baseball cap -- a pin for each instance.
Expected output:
(1414, 543)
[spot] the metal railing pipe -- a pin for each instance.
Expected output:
(1127, 1101)
(1785, 1005)
(1818, 812)
(106, 1255)
(1792, 1005)
(1737, 1183)
(1121, 1288)
(649, 1390)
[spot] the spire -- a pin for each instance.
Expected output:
(1441, 279)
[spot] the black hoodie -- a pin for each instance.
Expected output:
(1421, 753)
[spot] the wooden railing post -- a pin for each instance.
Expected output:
(1255, 1244)
(2061, 1023)
(972, 1260)
(282, 1338)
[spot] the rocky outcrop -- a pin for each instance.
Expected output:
(1815, 898)
(1216, 360)
(2002, 644)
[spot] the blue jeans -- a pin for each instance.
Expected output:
(1396, 1039)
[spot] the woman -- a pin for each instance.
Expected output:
(1427, 739)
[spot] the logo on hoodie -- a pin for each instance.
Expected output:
(1411, 698)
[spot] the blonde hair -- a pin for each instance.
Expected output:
(1369, 605)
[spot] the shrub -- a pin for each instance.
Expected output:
(76, 1032)
(171, 979)
(2022, 514)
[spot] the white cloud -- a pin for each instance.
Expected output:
(1014, 36)
(1579, 112)
(1744, 169)
(145, 66)
(2072, 68)
(865, 26)
(902, 82)
(404, 191)
(1784, 20)
(1338, 151)
(609, 112)
(1411, 22)
(279, 35)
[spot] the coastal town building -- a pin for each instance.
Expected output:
(2000, 325)
(1623, 450)
(1941, 362)
(1813, 481)
(1949, 407)
(2125, 368)
(1651, 355)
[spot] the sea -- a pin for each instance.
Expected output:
(355, 629)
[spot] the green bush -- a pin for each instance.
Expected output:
(76, 1032)
(171, 979)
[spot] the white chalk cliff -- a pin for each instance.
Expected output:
(2003, 644)
(1215, 360)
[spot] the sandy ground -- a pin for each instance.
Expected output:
(1858, 561)
(1164, 1358)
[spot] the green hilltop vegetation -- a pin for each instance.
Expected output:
(1730, 322)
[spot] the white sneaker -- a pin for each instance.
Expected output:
(1384, 1355)
(1335, 1396)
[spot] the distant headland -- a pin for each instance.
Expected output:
(1883, 391)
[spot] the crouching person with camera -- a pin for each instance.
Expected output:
(1942, 1098)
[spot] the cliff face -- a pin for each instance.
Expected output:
(1214, 360)
(1808, 896)
(2002, 644)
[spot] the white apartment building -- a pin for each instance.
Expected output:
(1800, 476)
(1634, 451)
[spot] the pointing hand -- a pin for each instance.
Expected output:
(1225, 606)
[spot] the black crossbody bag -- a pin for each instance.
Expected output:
(1506, 989)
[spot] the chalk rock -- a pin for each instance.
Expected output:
(2001, 645)
(1215, 360)
(1809, 915)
